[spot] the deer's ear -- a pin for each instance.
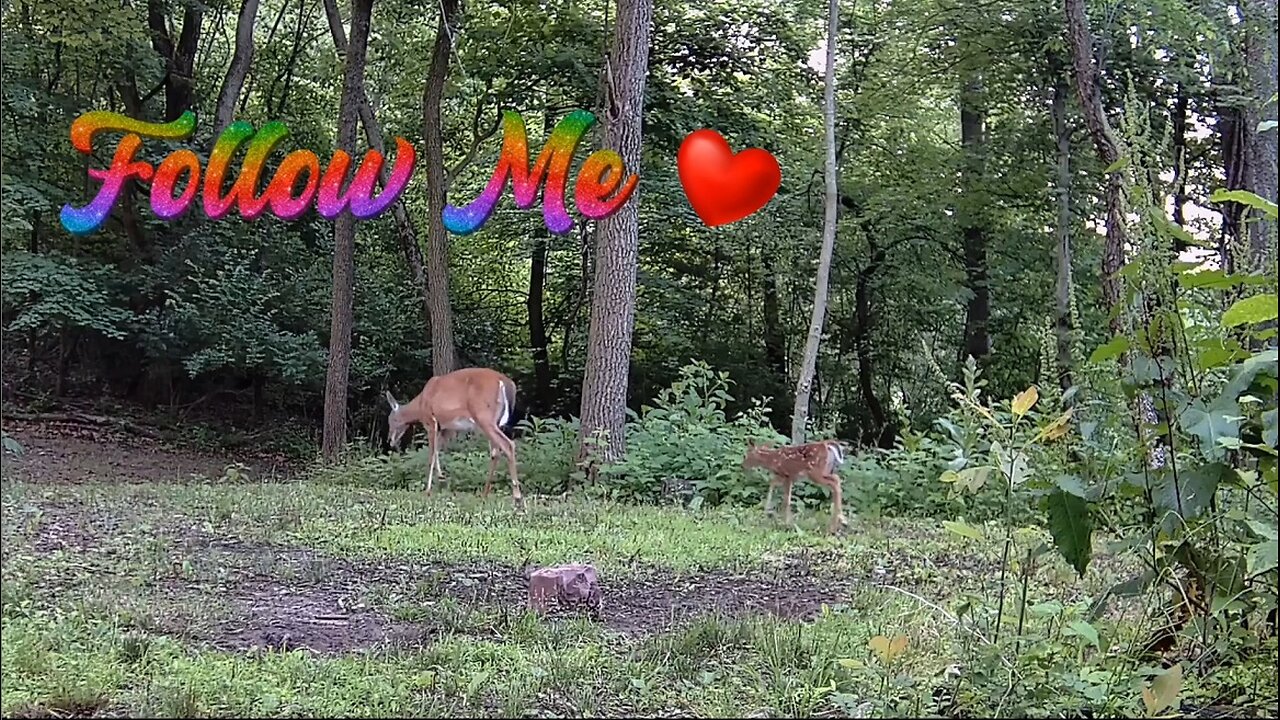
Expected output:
(392, 400)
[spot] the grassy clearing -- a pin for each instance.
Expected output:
(116, 599)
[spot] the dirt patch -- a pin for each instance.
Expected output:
(291, 597)
(657, 601)
(279, 617)
(59, 453)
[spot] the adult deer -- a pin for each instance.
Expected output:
(817, 460)
(461, 401)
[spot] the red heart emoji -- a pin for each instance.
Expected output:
(723, 187)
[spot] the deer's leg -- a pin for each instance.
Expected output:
(445, 437)
(493, 464)
(837, 503)
(786, 513)
(508, 448)
(433, 439)
(768, 498)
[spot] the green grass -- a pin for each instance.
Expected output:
(91, 628)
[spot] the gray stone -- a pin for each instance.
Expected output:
(567, 585)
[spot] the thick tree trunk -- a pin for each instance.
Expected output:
(1089, 91)
(1260, 150)
(977, 321)
(804, 386)
(241, 61)
(613, 299)
(1088, 87)
(344, 237)
(443, 354)
(179, 83)
(405, 230)
(1062, 248)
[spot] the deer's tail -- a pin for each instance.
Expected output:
(836, 451)
(508, 401)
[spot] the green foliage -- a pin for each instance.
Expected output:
(1069, 523)
(684, 445)
(228, 315)
(53, 292)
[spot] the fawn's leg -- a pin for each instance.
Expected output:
(786, 515)
(837, 503)
(768, 498)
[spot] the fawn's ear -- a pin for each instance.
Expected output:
(392, 400)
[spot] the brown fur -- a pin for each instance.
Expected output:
(815, 460)
(469, 393)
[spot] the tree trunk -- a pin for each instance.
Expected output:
(1062, 288)
(241, 60)
(1231, 133)
(344, 237)
(775, 351)
(1260, 150)
(540, 402)
(1089, 91)
(1181, 105)
(179, 83)
(977, 321)
(804, 385)
(1088, 87)
(613, 299)
(443, 354)
(405, 230)
(775, 341)
(880, 432)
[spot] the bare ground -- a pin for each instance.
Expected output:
(237, 596)
(62, 453)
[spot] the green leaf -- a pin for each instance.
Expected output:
(1191, 494)
(1163, 222)
(1262, 557)
(1071, 528)
(1244, 197)
(1013, 465)
(1262, 530)
(1120, 164)
(1219, 352)
(1212, 424)
(972, 479)
(1115, 347)
(1164, 690)
(1045, 609)
(1251, 311)
(1266, 125)
(1248, 370)
(1135, 585)
(1071, 484)
(1086, 631)
(963, 530)
(1269, 434)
